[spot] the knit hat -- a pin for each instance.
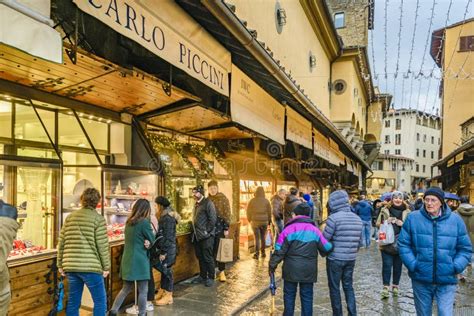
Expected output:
(161, 200)
(199, 189)
(397, 194)
(437, 192)
(307, 197)
(302, 209)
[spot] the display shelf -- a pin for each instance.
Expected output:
(127, 197)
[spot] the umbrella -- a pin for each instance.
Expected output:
(451, 196)
(273, 288)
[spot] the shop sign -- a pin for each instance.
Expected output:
(132, 20)
(298, 129)
(459, 157)
(255, 109)
(321, 145)
(450, 162)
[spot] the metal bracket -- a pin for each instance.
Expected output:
(72, 53)
(167, 86)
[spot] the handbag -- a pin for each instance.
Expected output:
(268, 238)
(386, 234)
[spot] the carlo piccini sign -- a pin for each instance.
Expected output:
(135, 22)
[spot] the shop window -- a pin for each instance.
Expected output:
(70, 133)
(98, 131)
(5, 120)
(27, 125)
(33, 188)
(339, 20)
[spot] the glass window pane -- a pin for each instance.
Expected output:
(34, 191)
(80, 158)
(339, 20)
(36, 152)
(5, 119)
(27, 125)
(70, 132)
(48, 118)
(97, 131)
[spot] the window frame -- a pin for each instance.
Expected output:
(343, 14)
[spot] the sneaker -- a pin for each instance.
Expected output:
(198, 280)
(255, 256)
(150, 307)
(395, 291)
(209, 282)
(132, 310)
(385, 294)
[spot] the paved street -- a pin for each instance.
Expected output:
(246, 292)
(367, 285)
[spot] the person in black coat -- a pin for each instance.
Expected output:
(204, 229)
(166, 249)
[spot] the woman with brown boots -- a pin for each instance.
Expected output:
(164, 250)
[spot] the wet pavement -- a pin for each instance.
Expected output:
(246, 292)
(247, 279)
(367, 286)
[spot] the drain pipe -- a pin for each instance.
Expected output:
(12, 4)
(225, 16)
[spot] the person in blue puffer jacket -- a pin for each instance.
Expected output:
(434, 246)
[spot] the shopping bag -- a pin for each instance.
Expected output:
(386, 234)
(268, 238)
(225, 252)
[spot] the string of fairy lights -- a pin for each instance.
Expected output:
(424, 78)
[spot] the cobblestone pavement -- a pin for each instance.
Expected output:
(246, 279)
(367, 286)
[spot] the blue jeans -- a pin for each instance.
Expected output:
(95, 284)
(366, 228)
(338, 271)
(306, 297)
(425, 293)
(389, 263)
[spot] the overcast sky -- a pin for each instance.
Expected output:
(422, 98)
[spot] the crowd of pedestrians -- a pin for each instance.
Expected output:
(430, 234)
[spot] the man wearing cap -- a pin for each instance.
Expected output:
(8, 226)
(204, 223)
(222, 205)
(434, 246)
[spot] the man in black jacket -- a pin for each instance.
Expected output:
(204, 223)
(298, 247)
(8, 227)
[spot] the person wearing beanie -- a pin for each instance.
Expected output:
(298, 246)
(204, 224)
(434, 246)
(395, 213)
(9, 226)
(222, 205)
(309, 201)
(344, 231)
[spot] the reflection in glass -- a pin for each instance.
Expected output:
(97, 131)
(27, 125)
(70, 132)
(5, 119)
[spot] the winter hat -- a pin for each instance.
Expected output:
(437, 192)
(307, 197)
(161, 200)
(302, 209)
(397, 194)
(199, 189)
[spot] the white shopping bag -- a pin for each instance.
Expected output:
(386, 234)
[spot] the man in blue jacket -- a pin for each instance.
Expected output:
(434, 246)
(364, 210)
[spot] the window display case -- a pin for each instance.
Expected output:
(122, 187)
(33, 187)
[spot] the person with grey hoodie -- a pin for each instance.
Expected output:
(466, 211)
(344, 231)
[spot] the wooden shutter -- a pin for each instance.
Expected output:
(466, 43)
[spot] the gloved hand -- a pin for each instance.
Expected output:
(7, 210)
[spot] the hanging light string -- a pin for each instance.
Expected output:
(399, 38)
(414, 34)
(386, 33)
(420, 73)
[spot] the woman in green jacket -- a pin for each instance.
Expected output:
(135, 266)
